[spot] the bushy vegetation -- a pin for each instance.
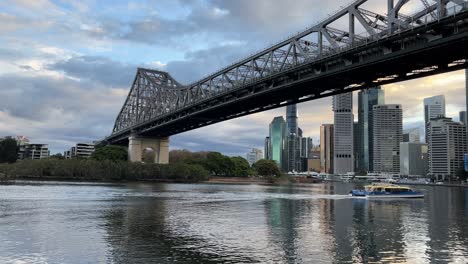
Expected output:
(110, 152)
(109, 163)
(106, 170)
(216, 163)
(8, 150)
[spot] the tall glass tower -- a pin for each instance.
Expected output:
(277, 140)
(366, 101)
(291, 119)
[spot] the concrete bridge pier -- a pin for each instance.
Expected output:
(140, 148)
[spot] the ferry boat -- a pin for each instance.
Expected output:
(386, 191)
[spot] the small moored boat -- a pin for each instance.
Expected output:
(386, 191)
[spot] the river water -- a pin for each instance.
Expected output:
(53, 222)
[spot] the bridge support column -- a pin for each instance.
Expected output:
(138, 146)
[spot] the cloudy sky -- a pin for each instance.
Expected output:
(66, 66)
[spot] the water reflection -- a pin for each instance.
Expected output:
(167, 223)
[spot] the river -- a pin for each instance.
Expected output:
(63, 222)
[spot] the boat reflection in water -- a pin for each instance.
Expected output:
(386, 191)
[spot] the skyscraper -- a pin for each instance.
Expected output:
(447, 144)
(413, 158)
(266, 150)
(291, 119)
(277, 141)
(388, 133)
(462, 117)
(326, 148)
(366, 101)
(343, 129)
(412, 135)
(466, 101)
(306, 147)
(293, 140)
(357, 148)
(434, 107)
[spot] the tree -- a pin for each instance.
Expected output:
(110, 152)
(58, 156)
(218, 164)
(266, 168)
(241, 167)
(8, 150)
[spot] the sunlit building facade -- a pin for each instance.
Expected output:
(277, 141)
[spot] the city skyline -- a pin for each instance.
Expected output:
(75, 85)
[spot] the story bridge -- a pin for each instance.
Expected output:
(326, 59)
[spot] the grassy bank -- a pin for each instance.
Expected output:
(92, 170)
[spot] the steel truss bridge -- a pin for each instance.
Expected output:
(321, 61)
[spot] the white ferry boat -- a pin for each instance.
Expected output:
(382, 191)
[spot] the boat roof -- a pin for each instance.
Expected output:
(386, 185)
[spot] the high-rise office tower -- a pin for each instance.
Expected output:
(291, 119)
(462, 117)
(366, 101)
(447, 144)
(357, 148)
(412, 135)
(434, 107)
(277, 141)
(413, 158)
(388, 133)
(266, 150)
(326, 148)
(293, 140)
(306, 147)
(466, 101)
(343, 129)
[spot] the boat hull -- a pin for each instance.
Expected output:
(385, 195)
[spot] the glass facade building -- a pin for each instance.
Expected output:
(434, 107)
(366, 101)
(277, 141)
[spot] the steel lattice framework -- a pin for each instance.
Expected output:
(320, 61)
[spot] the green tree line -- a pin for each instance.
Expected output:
(110, 163)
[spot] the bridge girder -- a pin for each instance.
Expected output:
(155, 94)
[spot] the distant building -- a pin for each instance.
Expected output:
(388, 130)
(447, 144)
(326, 148)
(343, 133)
(367, 99)
(254, 155)
(466, 101)
(67, 154)
(22, 142)
(277, 141)
(266, 149)
(292, 147)
(36, 151)
(80, 151)
(292, 153)
(84, 150)
(358, 166)
(306, 147)
(434, 107)
(462, 117)
(413, 158)
(291, 119)
(412, 135)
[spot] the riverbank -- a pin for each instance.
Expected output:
(92, 170)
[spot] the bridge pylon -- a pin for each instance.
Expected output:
(138, 146)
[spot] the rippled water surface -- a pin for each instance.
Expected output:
(51, 222)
